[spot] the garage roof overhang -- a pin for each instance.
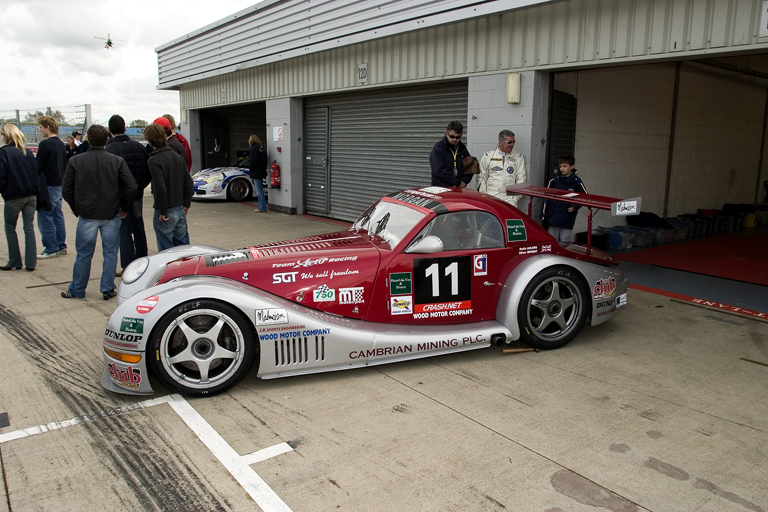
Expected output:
(275, 30)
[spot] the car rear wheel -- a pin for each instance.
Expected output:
(201, 347)
(239, 190)
(553, 308)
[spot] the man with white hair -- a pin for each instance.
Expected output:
(502, 167)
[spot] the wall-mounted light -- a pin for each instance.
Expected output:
(513, 87)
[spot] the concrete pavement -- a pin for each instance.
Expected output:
(663, 408)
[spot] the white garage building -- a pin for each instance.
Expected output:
(664, 99)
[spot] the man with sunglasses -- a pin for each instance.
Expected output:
(446, 159)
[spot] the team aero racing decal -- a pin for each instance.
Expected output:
(481, 264)
(147, 305)
(125, 376)
(604, 288)
(324, 294)
(271, 316)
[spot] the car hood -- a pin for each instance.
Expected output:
(213, 171)
(333, 272)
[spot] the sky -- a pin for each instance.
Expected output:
(49, 56)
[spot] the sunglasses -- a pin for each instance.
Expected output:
(455, 137)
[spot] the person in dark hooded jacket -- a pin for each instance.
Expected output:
(561, 216)
(19, 184)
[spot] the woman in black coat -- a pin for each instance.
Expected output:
(19, 187)
(258, 169)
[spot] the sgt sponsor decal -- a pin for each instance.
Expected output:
(604, 288)
(351, 295)
(402, 305)
(284, 277)
(324, 294)
(134, 325)
(271, 316)
(481, 264)
(125, 376)
(516, 230)
(147, 305)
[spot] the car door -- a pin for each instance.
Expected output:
(458, 284)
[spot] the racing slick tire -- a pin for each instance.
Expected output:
(239, 190)
(553, 308)
(201, 347)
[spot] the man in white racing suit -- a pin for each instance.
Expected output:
(502, 167)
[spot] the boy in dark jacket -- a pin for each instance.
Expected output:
(561, 216)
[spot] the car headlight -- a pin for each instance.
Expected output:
(135, 270)
(211, 179)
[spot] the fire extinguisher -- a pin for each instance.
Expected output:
(274, 175)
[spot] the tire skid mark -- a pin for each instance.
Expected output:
(637, 456)
(142, 456)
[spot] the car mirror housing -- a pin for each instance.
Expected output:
(426, 245)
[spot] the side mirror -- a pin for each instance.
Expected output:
(426, 245)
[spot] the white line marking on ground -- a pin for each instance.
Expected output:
(238, 466)
(266, 453)
(18, 434)
(261, 493)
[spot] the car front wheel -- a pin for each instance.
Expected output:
(239, 190)
(201, 347)
(553, 308)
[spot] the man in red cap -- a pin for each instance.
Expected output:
(172, 142)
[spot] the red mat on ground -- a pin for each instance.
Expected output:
(741, 258)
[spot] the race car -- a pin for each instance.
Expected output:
(422, 272)
(230, 183)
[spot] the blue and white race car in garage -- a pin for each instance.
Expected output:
(230, 183)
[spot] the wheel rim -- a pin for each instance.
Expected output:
(238, 189)
(554, 308)
(202, 349)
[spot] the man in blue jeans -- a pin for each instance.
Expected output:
(51, 161)
(172, 187)
(97, 185)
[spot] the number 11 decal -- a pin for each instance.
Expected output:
(442, 279)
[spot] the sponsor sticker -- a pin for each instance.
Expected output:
(481, 264)
(604, 288)
(125, 376)
(324, 294)
(401, 305)
(626, 207)
(621, 300)
(284, 277)
(516, 230)
(134, 325)
(147, 305)
(400, 283)
(271, 316)
(351, 295)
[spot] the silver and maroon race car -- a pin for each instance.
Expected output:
(422, 272)
(231, 183)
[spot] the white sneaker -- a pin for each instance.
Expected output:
(46, 255)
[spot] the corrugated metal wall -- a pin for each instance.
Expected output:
(555, 35)
(365, 162)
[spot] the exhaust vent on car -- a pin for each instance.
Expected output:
(296, 351)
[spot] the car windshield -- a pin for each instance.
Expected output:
(391, 221)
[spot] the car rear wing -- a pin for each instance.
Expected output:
(591, 201)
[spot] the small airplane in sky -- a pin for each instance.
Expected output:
(109, 43)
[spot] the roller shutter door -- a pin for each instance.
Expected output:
(380, 142)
